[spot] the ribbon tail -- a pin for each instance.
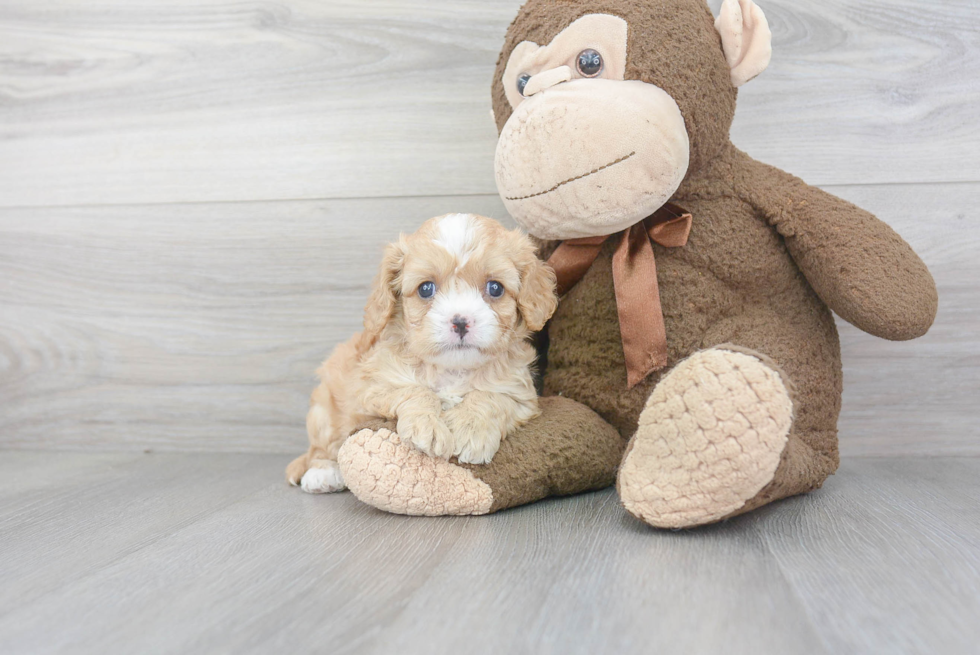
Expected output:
(572, 259)
(641, 321)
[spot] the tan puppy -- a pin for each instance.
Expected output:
(444, 350)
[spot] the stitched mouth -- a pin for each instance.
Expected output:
(577, 177)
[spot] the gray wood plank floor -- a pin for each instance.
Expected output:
(178, 553)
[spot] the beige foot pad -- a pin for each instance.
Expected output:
(385, 473)
(709, 439)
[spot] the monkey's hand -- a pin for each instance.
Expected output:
(858, 265)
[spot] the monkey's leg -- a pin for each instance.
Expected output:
(716, 439)
(566, 450)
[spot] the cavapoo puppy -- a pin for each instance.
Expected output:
(444, 351)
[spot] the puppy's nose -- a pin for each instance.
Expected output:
(459, 326)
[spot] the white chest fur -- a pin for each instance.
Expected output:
(451, 386)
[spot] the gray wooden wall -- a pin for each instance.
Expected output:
(194, 194)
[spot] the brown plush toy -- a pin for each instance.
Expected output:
(693, 358)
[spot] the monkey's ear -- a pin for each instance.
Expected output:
(745, 38)
(384, 294)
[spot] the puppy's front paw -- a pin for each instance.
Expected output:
(476, 442)
(427, 433)
(323, 477)
(477, 452)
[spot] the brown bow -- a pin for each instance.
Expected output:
(641, 318)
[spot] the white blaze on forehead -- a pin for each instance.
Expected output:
(459, 234)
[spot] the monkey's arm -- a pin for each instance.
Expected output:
(857, 264)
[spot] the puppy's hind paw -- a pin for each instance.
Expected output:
(324, 478)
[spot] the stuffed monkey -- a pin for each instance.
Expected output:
(693, 358)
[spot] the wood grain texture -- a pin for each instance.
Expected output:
(919, 397)
(883, 559)
(84, 512)
(914, 522)
(190, 326)
(205, 100)
(193, 199)
(198, 327)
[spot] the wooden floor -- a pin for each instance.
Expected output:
(123, 553)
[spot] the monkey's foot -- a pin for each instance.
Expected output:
(709, 439)
(568, 449)
(397, 477)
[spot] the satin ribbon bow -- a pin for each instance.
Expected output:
(641, 318)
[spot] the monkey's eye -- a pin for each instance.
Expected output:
(589, 63)
(495, 289)
(427, 289)
(522, 82)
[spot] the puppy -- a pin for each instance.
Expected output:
(444, 351)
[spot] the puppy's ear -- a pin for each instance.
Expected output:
(537, 299)
(384, 294)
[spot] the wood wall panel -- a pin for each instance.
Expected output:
(116, 102)
(199, 326)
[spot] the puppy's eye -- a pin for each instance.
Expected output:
(427, 289)
(522, 82)
(495, 289)
(589, 63)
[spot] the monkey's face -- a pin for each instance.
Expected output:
(585, 151)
